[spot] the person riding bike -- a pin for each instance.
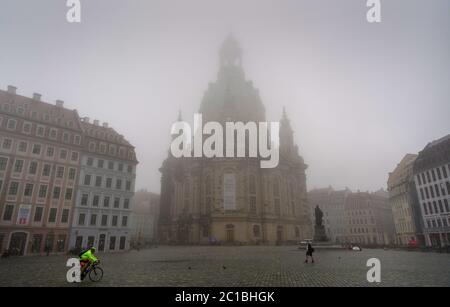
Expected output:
(87, 258)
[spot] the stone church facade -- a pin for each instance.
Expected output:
(268, 205)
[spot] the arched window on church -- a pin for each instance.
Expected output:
(187, 196)
(252, 194)
(291, 190)
(277, 206)
(297, 232)
(276, 196)
(208, 185)
(276, 188)
(187, 190)
(252, 184)
(252, 206)
(208, 196)
(292, 197)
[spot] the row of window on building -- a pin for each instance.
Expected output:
(438, 222)
(37, 150)
(40, 131)
(362, 230)
(95, 201)
(34, 166)
(432, 175)
(361, 239)
(42, 192)
(93, 221)
(111, 150)
(435, 191)
(436, 207)
(9, 210)
(361, 221)
(108, 182)
(110, 165)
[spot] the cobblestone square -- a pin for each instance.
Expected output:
(224, 266)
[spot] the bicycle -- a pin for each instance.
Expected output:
(94, 271)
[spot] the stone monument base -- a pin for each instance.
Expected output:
(319, 234)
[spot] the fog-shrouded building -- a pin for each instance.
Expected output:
(234, 200)
(431, 173)
(355, 217)
(370, 220)
(332, 204)
(104, 200)
(144, 218)
(40, 150)
(401, 199)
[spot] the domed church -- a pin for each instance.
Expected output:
(233, 200)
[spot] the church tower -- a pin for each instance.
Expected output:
(287, 146)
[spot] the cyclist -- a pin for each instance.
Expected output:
(87, 258)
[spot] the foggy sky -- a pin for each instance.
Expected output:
(359, 95)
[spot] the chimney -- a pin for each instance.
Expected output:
(96, 122)
(105, 125)
(37, 96)
(86, 119)
(60, 103)
(12, 89)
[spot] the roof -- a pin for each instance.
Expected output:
(438, 141)
(434, 154)
(40, 111)
(402, 170)
(104, 133)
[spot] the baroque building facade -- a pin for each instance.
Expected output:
(47, 152)
(431, 173)
(104, 200)
(40, 150)
(355, 217)
(402, 193)
(234, 200)
(332, 203)
(370, 220)
(144, 218)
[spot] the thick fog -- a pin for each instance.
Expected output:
(359, 95)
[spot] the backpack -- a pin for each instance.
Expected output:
(83, 251)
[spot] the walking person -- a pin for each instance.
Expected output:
(309, 252)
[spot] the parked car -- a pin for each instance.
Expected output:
(302, 244)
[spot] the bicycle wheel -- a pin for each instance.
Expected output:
(96, 274)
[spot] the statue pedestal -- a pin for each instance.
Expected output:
(319, 234)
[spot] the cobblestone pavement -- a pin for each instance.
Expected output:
(236, 266)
